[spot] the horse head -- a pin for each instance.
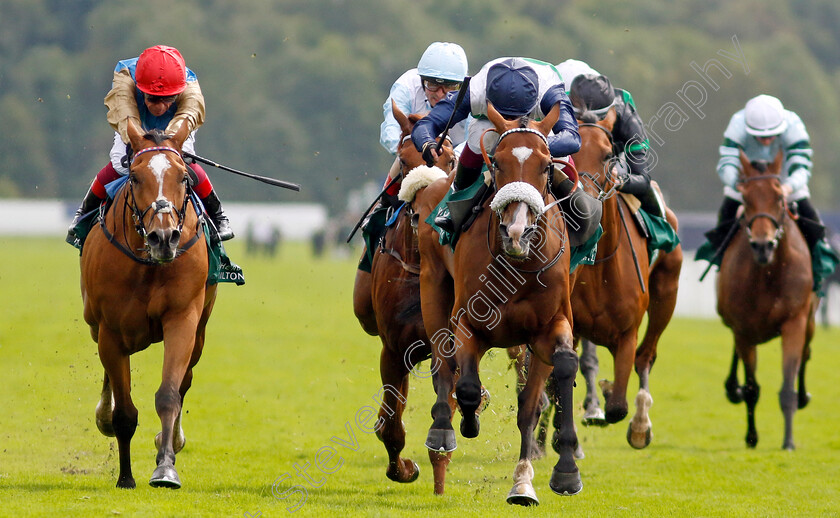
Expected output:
(157, 184)
(595, 159)
(520, 168)
(764, 206)
(406, 152)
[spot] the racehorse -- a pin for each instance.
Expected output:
(765, 290)
(387, 304)
(506, 283)
(144, 280)
(611, 296)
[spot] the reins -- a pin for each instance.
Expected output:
(138, 216)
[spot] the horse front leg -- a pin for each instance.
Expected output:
(468, 389)
(624, 359)
(179, 344)
(793, 346)
(522, 492)
(105, 409)
(124, 414)
(751, 389)
(565, 478)
(734, 392)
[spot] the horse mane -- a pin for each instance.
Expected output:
(588, 117)
(157, 136)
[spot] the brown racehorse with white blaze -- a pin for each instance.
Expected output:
(515, 239)
(765, 291)
(144, 280)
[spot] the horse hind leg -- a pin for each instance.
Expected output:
(394, 375)
(593, 414)
(105, 409)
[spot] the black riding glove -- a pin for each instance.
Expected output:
(428, 153)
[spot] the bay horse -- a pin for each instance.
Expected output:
(765, 290)
(387, 304)
(505, 284)
(611, 296)
(144, 280)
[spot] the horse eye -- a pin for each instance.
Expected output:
(132, 178)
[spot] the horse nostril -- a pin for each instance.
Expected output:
(503, 229)
(175, 238)
(153, 238)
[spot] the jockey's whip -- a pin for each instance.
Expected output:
(462, 91)
(263, 179)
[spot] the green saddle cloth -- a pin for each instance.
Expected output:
(662, 234)
(221, 268)
(585, 253)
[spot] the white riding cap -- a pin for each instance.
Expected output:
(765, 116)
(443, 60)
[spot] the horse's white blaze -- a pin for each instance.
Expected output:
(159, 165)
(518, 224)
(522, 153)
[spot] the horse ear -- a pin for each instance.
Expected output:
(609, 120)
(402, 120)
(181, 135)
(496, 118)
(745, 163)
(135, 135)
(776, 166)
(550, 120)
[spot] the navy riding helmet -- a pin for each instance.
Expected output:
(512, 87)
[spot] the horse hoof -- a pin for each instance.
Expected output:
(523, 494)
(395, 476)
(441, 440)
(804, 399)
(614, 415)
(639, 440)
(126, 483)
(594, 417)
(752, 440)
(566, 484)
(470, 427)
(165, 476)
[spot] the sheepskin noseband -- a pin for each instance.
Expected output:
(518, 191)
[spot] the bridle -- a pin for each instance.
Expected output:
(778, 223)
(163, 207)
(492, 167)
(603, 193)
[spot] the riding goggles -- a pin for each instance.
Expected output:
(154, 99)
(433, 85)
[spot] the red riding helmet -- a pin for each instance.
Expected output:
(161, 71)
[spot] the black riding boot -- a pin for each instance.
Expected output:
(650, 203)
(464, 177)
(89, 203)
(810, 223)
(213, 205)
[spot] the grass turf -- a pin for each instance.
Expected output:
(285, 370)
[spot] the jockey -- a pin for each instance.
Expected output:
(441, 70)
(157, 91)
(590, 91)
(516, 87)
(760, 130)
